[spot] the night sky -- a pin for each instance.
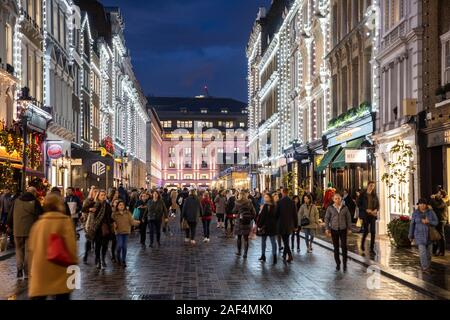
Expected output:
(179, 46)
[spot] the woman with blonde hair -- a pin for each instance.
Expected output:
(88, 207)
(49, 276)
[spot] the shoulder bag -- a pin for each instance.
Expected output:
(57, 252)
(434, 234)
(305, 220)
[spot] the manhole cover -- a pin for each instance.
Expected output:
(154, 297)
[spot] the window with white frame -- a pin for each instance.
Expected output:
(445, 58)
(184, 124)
(166, 124)
(172, 165)
(204, 177)
(188, 152)
(188, 177)
(172, 152)
(172, 177)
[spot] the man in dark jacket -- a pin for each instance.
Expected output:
(123, 194)
(180, 200)
(192, 211)
(369, 205)
(287, 221)
(441, 210)
(6, 200)
(25, 212)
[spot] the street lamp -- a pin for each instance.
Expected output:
(24, 118)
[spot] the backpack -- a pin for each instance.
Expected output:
(245, 214)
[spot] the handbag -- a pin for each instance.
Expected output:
(136, 214)
(184, 224)
(434, 234)
(305, 220)
(261, 232)
(57, 252)
(3, 242)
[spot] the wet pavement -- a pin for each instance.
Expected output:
(405, 260)
(212, 271)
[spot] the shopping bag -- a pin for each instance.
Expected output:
(136, 214)
(359, 223)
(3, 242)
(57, 251)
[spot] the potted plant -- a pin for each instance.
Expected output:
(447, 91)
(398, 231)
(440, 94)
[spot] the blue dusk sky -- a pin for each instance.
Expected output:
(179, 46)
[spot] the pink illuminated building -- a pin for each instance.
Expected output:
(203, 138)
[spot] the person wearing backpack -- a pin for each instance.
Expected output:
(207, 212)
(245, 212)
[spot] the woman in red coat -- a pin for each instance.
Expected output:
(207, 213)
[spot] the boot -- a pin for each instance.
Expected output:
(104, 262)
(274, 259)
(263, 258)
(98, 264)
(289, 259)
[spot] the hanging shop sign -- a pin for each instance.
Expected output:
(356, 156)
(98, 168)
(55, 151)
(360, 129)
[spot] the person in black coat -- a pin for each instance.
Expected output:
(267, 227)
(369, 205)
(287, 222)
(349, 202)
(192, 211)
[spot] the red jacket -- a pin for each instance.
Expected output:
(205, 202)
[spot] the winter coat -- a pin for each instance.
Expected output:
(231, 202)
(26, 211)
(350, 204)
(123, 222)
(106, 220)
(207, 213)
(311, 213)
(47, 278)
(338, 220)
(363, 204)
(421, 232)
(6, 201)
(286, 216)
(440, 208)
(241, 207)
(156, 210)
(220, 203)
(267, 220)
(192, 209)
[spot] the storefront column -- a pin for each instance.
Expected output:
(384, 214)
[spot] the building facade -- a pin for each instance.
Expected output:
(66, 70)
(202, 138)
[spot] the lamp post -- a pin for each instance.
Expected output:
(125, 166)
(23, 115)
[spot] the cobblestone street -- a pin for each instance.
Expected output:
(212, 271)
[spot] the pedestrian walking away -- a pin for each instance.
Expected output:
(220, 202)
(245, 213)
(191, 212)
(287, 222)
(267, 227)
(48, 271)
(207, 213)
(338, 222)
(440, 208)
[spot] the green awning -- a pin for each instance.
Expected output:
(339, 162)
(328, 158)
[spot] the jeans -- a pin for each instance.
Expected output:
(340, 235)
(273, 242)
(369, 226)
(190, 233)
(425, 255)
(122, 241)
(22, 253)
(143, 231)
(287, 250)
(440, 245)
(309, 237)
(155, 227)
(101, 244)
(239, 244)
(206, 224)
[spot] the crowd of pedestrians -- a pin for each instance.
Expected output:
(42, 227)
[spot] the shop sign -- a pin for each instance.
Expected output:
(356, 156)
(98, 168)
(55, 151)
(77, 162)
(440, 138)
(352, 134)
